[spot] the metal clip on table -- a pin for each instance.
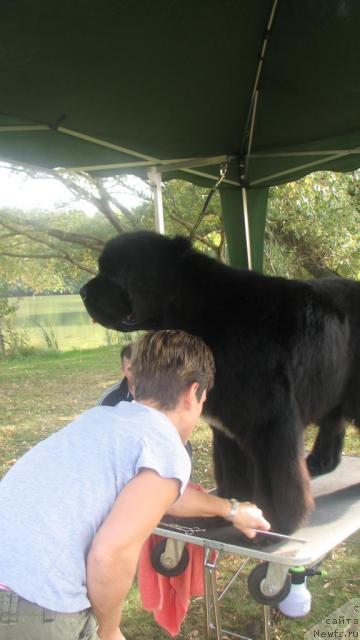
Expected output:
(336, 517)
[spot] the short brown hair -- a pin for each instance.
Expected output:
(165, 363)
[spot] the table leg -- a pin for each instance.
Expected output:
(267, 622)
(211, 597)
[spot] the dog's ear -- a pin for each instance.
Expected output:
(181, 245)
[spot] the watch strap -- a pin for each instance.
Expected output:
(233, 511)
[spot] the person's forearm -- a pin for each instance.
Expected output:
(108, 582)
(247, 517)
(200, 504)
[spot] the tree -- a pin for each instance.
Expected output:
(312, 228)
(6, 311)
(183, 209)
(70, 242)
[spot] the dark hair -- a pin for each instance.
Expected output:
(125, 352)
(165, 363)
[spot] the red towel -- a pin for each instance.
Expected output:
(169, 598)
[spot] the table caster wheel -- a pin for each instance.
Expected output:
(159, 560)
(256, 581)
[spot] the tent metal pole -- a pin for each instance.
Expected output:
(250, 116)
(113, 165)
(191, 163)
(162, 166)
(210, 176)
(156, 186)
(24, 127)
(300, 167)
(142, 156)
(247, 227)
(251, 133)
(299, 154)
(104, 143)
(248, 133)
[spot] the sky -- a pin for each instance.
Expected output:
(22, 192)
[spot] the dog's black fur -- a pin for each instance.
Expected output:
(287, 353)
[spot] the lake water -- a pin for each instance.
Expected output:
(66, 316)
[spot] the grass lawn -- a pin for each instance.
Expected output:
(40, 394)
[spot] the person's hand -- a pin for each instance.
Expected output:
(249, 517)
(112, 635)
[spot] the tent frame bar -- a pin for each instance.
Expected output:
(298, 154)
(24, 127)
(250, 120)
(104, 143)
(154, 177)
(247, 227)
(163, 165)
(194, 161)
(307, 165)
(248, 134)
(251, 134)
(185, 164)
(148, 161)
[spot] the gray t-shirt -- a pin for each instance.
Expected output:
(54, 499)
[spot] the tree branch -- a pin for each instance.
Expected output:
(89, 242)
(31, 256)
(308, 254)
(188, 226)
(48, 256)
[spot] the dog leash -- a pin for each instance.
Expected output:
(189, 531)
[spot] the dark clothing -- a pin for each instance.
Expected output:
(116, 393)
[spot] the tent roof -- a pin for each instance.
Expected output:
(97, 84)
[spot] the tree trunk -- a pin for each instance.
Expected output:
(2, 343)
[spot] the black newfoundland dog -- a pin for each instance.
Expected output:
(287, 353)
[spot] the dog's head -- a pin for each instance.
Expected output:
(136, 281)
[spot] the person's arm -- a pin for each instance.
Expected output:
(197, 503)
(114, 553)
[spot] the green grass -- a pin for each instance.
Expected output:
(44, 392)
(41, 393)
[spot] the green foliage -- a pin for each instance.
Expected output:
(49, 335)
(183, 203)
(16, 340)
(313, 226)
(13, 341)
(313, 229)
(32, 260)
(113, 337)
(6, 309)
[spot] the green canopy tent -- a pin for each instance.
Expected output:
(263, 90)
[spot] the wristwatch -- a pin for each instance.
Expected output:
(234, 507)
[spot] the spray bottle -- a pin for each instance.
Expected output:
(298, 601)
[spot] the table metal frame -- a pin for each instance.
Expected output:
(335, 518)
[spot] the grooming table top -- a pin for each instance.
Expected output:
(336, 517)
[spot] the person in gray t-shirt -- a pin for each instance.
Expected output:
(77, 508)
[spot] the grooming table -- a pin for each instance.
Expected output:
(336, 517)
